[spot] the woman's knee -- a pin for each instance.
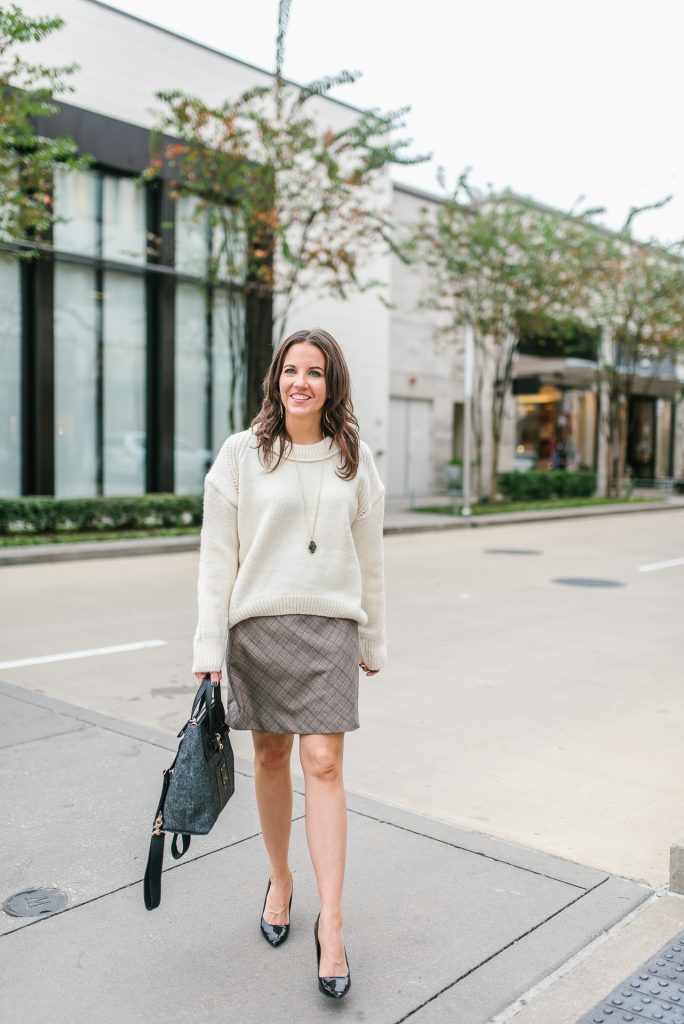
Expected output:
(272, 751)
(321, 760)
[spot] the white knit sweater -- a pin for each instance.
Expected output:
(254, 556)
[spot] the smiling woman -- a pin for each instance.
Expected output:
(295, 625)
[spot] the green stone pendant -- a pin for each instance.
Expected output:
(312, 547)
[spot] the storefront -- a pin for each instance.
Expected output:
(557, 418)
(555, 415)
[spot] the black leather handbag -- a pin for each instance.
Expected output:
(197, 786)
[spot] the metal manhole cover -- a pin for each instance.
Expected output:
(653, 993)
(586, 581)
(511, 551)
(35, 903)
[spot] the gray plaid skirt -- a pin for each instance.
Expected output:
(293, 674)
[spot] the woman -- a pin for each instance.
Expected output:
(291, 591)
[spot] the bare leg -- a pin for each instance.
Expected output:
(326, 832)
(273, 784)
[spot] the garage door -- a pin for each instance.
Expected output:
(410, 447)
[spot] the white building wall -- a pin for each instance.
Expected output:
(436, 360)
(123, 62)
(424, 364)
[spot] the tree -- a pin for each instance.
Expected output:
(28, 159)
(309, 200)
(490, 258)
(635, 296)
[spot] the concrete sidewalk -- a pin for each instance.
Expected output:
(442, 924)
(400, 517)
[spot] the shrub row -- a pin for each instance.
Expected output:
(68, 515)
(537, 484)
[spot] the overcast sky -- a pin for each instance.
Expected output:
(551, 98)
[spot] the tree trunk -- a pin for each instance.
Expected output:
(494, 466)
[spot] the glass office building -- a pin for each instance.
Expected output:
(124, 363)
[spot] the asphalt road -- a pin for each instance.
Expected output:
(512, 704)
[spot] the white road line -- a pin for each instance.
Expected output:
(69, 655)
(661, 565)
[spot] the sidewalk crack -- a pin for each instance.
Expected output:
(129, 885)
(479, 853)
(497, 952)
(50, 736)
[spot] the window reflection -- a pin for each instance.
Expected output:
(228, 366)
(124, 384)
(191, 237)
(77, 201)
(10, 380)
(75, 381)
(123, 231)
(191, 457)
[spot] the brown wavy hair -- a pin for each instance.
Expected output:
(337, 417)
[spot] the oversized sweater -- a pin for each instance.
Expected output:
(254, 546)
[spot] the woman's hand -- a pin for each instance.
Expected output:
(215, 677)
(368, 671)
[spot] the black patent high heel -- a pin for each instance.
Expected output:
(275, 934)
(334, 987)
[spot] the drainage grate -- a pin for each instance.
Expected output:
(653, 993)
(586, 581)
(35, 903)
(511, 551)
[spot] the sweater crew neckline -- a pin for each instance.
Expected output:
(312, 452)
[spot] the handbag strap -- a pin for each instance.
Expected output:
(209, 696)
(155, 858)
(153, 872)
(175, 852)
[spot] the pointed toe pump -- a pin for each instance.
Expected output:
(334, 987)
(275, 934)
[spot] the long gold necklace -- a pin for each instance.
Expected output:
(312, 545)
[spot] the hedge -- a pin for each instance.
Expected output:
(69, 515)
(539, 484)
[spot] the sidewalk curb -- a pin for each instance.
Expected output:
(439, 522)
(395, 523)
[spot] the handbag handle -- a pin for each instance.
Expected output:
(209, 695)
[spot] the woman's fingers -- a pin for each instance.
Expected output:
(215, 676)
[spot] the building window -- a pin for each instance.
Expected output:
(10, 379)
(100, 335)
(210, 360)
(124, 346)
(76, 375)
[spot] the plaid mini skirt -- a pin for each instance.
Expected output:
(293, 674)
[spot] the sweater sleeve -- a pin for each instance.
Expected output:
(367, 534)
(218, 563)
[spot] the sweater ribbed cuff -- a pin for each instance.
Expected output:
(374, 654)
(208, 654)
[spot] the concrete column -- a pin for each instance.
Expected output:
(605, 357)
